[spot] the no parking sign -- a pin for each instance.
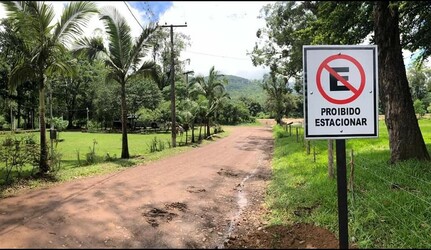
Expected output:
(340, 91)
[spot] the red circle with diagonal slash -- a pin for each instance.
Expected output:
(325, 65)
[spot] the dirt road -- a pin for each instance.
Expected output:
(192, 200)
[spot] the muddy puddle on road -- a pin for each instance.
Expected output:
(242, 203)
(156, 216)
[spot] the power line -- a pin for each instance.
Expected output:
(222, 56)
(193, 52)
(133, 15)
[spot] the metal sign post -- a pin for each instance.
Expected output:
(343, 223)
(340, 102)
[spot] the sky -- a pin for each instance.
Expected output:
(221, 33)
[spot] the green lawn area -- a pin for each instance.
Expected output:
(105, 144)
(389, 206)
(75, 149)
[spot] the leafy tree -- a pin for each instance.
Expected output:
(146, 116)
(293, 24)
(106, 103)
(405, 137)
(123, 57)
(253, 106)
(280, 101)
(165, 111)
(429, 108)
(44, 45)
(419, 108)
(72, 94)
(161, 45)
(19, 100)
(212, 87)
(142, 92)
(280, 43)
(235, 112)
(420, 84)
(414, 23)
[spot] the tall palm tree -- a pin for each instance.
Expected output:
(124, 57)
(212, 87)
(46, 41)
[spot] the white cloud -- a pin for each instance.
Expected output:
(95, 23)
(221, 34)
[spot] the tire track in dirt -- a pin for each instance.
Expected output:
(192, 204)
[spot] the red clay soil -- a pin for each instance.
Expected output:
(209, 197)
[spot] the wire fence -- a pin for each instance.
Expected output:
(389, 200)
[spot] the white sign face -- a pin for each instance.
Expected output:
(340, 91)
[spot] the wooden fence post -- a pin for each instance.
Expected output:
(331, 158)
(314, 153)
(352, 168)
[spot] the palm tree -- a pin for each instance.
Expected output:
(123, 57)
(212, 88)
(279, 100)
(219, 100)
(46, 43)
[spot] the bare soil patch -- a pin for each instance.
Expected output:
(209, 197)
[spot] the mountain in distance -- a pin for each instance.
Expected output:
(239, 86)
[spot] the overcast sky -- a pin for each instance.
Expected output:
(221, 32)
(221, 35)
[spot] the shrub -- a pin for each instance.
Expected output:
(108, 157)
(90, 157)
(17, 152)
(157, 145)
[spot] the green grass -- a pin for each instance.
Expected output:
(70, 143)
(389, 207)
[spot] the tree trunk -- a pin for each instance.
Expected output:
(19, 115)
(32, 118)
(208, 128)
(12, 119)
(193, 132)
(200, 132)
(405, 137)
(125, 145)
(43, 160)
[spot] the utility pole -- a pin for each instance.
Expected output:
(187, 77)
(173, 128)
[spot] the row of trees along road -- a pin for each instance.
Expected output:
(43, 57)
(392, 25)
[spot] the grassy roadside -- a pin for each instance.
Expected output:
(389, 205)
(107, 149)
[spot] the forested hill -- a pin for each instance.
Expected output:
(239, 86)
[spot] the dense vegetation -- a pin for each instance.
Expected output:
(50, 75)
(391, 25)
(388, 205)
